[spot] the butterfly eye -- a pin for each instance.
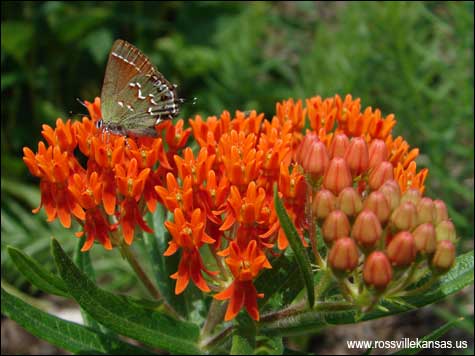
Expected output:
(99, 124)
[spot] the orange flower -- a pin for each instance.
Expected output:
(131, 185)
(322, 113)
(245, 265)
(240, 159)
(198, 168)
(176, 136)
(54, 168)
(97, 228)
(205, 133)
(409, 178)
(247, 122)
(87, 191)
(246, 211)
(290, 111)
(293, 186)
(189, 236)
(94, 109)
(85, 131)
(63, 136)
(175, 197)
(148, 154)
(213, 196)
(275, 148)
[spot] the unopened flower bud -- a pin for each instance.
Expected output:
(413, 195)
(366, 229)
(440, 211)
(445, 230)
(378, 204)
(425, 211)
(444, 256)
(343, 255)
(336, 225)
(380, 174)
(323, 203)
(392, 192)
(378, 152)
(402, 249)
(404, 217)
(338, 146)
(313, 156)
(337, 176)
(377, 270)
(349, 201)
(424, 236)
(357, 156)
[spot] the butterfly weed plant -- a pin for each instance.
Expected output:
(256, 228)
(312, 218)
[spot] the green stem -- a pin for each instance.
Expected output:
(216, 339)
(405, 281)
(219, 263)
(127, 252)
(215, 316)
(420, 289)
(301, 307)
(318, 258)
(323, 284)
(347, 289)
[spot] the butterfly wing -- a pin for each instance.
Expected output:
(135, 95)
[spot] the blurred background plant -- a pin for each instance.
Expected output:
(414, 59)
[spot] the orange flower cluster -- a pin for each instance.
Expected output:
(221, 195)
(104, 181)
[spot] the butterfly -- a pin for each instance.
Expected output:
(135, 95)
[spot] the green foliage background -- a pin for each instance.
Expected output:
(414, 59)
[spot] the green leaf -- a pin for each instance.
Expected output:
(152, 328)
(269, 345)
(83, 260)
(64, 334)
(460, 276)
(244, 336)
(36, 274)
(296, 245)
(284, 276)
(435, 335)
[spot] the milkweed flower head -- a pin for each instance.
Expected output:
(336, 165)
(109, 192)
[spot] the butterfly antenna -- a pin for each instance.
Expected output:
(81, 102)
(184, 100)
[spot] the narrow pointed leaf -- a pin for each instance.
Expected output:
(296, 245)
(83, 261)
(36, 274)
(64, 334)
(149, 327)
(244, 337)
